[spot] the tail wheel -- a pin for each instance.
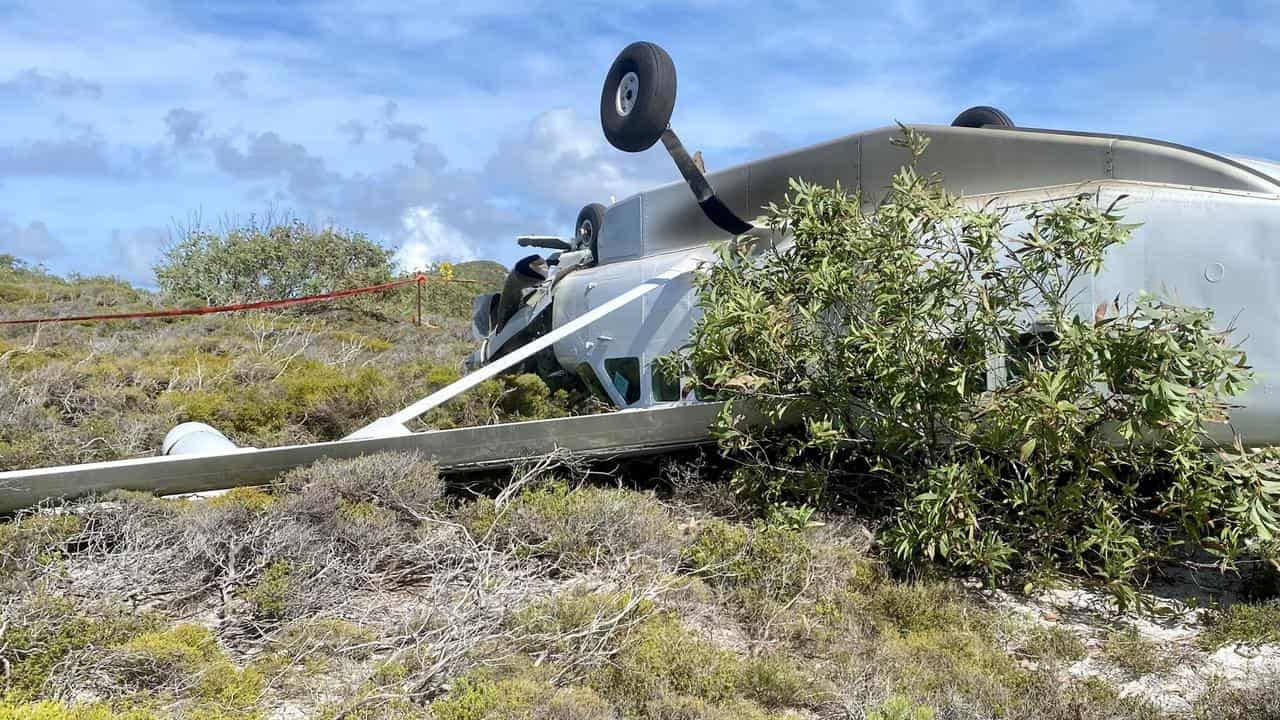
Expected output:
(638, 97)
(587, 229)
(982, 116)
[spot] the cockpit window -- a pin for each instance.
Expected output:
(665, 387)
(624, 373)
(1032, 348)
(587, 375)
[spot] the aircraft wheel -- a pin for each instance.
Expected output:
(638, 97)
(981, 116)
(590, 220)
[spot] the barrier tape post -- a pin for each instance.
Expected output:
(417, 313)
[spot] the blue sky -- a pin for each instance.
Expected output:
(444, 129)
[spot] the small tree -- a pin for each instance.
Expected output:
(938, 361)
(276, 260)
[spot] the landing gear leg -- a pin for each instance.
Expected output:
(635, 112)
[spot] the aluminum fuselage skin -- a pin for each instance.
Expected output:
(1208, 235)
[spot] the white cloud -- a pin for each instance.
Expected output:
(135, 253)
(564, 158)
(428, 240)
(62, 85)
(33, 242)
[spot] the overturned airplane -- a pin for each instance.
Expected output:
(1208, 231)
(618, 293)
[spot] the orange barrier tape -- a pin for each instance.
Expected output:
(233, 308)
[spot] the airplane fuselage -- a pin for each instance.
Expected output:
(1207, 236)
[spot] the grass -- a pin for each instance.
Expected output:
(1137, 654)
(1246, 623)
(576, 528)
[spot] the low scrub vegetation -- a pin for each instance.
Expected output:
(364, 589)
(101, 391)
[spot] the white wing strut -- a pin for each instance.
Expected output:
(394, 425)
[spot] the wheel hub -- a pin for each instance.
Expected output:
(628, 91)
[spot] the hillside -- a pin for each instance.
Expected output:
(80, 392)
(374, 589)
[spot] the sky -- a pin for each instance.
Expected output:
(444, 130)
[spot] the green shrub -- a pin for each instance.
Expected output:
(577, 630)
(252, 499)
(663, 670)
(51, 631)
(36, 538)
(518, 698)
(1055, 644)
(329, 400)
(1227, 703)
(950, 664)
(1080, 450)
(1241, 623)
(183, 657)
(54, 710)
(507, 398)
(663, 659)
(318, 639)
(183, 648)
(576, 528)
(777, 681)
(925, 606)
(268, 261)
(247, 410)
(1136, 654)
(900, 708)
(762, 567)
(269, 595)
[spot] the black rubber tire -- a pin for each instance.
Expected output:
(587, 229)
(982, 116)
(654, 98)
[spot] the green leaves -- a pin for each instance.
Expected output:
(947, 376)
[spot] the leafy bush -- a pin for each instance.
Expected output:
(269, 595)
(939, 363)
(267, 261)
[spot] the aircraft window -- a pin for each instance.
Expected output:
(1031, 347)
(970, 353)
(625, 375)
(706, 394)
(665, 387)
(587, 375)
